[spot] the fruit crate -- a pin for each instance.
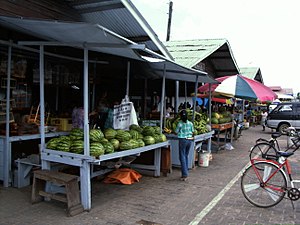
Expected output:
(63, 124)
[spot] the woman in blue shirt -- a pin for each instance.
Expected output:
(185, 133)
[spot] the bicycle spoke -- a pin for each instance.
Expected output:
(272, 194)
(267, 172)
(251, 187)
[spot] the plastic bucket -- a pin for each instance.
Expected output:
(246, 124)
(204, 159)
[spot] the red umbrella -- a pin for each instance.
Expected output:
(238, 86)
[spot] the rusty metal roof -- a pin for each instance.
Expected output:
(189, 53)
(252, 73)
(121, 17)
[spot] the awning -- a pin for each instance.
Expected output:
(98, 38)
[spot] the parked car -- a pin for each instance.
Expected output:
(283, 116)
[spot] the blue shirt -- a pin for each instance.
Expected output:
(185, 130)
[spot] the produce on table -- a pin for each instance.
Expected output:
(222, 117)
(108, 141)
(200, 122)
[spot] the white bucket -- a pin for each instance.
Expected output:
(246, 124)
(204, 159)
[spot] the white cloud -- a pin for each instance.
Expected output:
(264, 32)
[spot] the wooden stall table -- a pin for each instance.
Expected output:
(224, 127)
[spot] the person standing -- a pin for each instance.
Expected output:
(185, 133)
(264, 115)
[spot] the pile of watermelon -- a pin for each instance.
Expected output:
(107, 141)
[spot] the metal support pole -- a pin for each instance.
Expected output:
(128, 78)
(42, 98)
(195, 98)
(162, 101)
(7, 151)
(185, 94)
(176, 105)
(209, 103)
(85, 174)
(86, 102)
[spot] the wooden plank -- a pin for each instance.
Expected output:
(60, 198)
(54, 176)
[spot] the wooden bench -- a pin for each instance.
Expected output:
(70, 183)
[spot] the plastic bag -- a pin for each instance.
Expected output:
(228, 146)
(124, 115)
(123, 176)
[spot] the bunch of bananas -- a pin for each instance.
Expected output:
(200, 122)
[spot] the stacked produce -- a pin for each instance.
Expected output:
(200, 122)
(108, 141)
(221, 117)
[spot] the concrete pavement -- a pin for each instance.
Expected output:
(212, 195)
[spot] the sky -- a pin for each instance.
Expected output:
(261, 33)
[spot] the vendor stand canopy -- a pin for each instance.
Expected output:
(97, 38)
(238, 86)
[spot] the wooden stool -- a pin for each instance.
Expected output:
(70, 182)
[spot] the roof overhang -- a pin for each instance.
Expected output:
(99, 39)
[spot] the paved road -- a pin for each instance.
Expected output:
(211, 196)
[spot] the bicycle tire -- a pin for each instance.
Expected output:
(259, 195)
(263, 150)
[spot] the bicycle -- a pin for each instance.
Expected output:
(269, 148)
(264, 182)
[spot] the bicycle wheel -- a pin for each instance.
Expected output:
(259, 194)
(263, 150)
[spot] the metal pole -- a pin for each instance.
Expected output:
(42, 98)
(128, 78)
(169, 20)
(185, 94)
(176, 105)
(162, 101)
(85, 176)
(195, 98)
(85, 102)
(7, 152)
(209, 103)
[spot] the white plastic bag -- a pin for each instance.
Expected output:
(228, 146)
(124, 115)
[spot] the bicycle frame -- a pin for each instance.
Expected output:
(279, 166)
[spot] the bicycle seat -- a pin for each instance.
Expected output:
(275, 135)
(285, 154)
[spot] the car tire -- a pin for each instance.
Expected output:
(282, 128)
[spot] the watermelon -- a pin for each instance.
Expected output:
(148, 131)
(149, 140)
(140, 142)
(134, 134)
(136, 127)
(115, 143)
(77, 146)
(110, 133)
(96, 149)
(76, 133)
(96, 135)
(123, 135)
(109, 148)
(125, 145)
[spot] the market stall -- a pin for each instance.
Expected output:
(99, 40)
(6, 172)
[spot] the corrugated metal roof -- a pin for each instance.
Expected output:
(100, 39)
(252, 73)
(191, 52)
(121, 17)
